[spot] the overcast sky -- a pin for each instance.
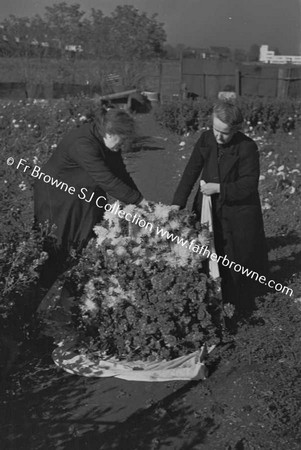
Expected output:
(201, 23)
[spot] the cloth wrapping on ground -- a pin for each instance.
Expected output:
(53, 311)
(206, 218)
(189, 367)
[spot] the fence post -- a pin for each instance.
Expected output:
(160, 81)
(204, 86)
(181, 75)
(237, 82)
(283, 83)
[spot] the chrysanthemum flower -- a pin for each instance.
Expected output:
(101, 234)
(120, 250)
(162, 212)
(174, 224)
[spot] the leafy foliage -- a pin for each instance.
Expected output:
(261, 115)
(140, 296)
(126, 33)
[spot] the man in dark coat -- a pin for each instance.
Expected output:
(228, 161)
(85, 167)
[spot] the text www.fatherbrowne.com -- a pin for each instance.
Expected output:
(204, 250)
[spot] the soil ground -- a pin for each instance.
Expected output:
(251, 399)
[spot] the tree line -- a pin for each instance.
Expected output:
(66, 30)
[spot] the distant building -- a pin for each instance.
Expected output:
(268, 56)
(74, 48)
(215, 53)
(220, 53)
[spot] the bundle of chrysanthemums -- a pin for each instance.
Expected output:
(141, 287)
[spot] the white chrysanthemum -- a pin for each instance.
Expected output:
(101, 234)
(113, 280)
(154, 240)
(139, 251)
(129, 209)
(110, 300)
(136, 250)
(144, 231)
(182, 254)
(124, 241)
(120, 250)
(110, 216)
(88, 305)
(115, 241)
(174, 224)
(161, 212)
(204, 238)
(185, 231)
(138, 262)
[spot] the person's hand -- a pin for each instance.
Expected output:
(210, 188)
(175, 207)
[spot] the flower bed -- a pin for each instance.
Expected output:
(143, 296)
(263, 115)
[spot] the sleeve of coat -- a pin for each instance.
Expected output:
(119, 169)
(248, 175)
(190, 175)
(87, 156)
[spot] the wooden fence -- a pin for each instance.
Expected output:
(175, 78)
(206, 78)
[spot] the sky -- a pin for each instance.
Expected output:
(201, 23)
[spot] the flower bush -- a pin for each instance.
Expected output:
(142, 295)
(184, 116)
(280, 183)
(261, 114)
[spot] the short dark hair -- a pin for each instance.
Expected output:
(228, 112)
(115, 121)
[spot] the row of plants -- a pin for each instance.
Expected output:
(261, 114)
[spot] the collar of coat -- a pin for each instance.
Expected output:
(231, 155)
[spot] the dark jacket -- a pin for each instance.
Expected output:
(237, 207)
(83, 162)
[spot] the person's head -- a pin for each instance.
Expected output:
(227, 120)
(115, 126)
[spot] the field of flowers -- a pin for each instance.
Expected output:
(271, 343)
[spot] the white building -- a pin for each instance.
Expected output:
(268, 56)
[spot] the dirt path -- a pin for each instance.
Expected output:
(250, 401)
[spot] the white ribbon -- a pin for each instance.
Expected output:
(206, 218)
